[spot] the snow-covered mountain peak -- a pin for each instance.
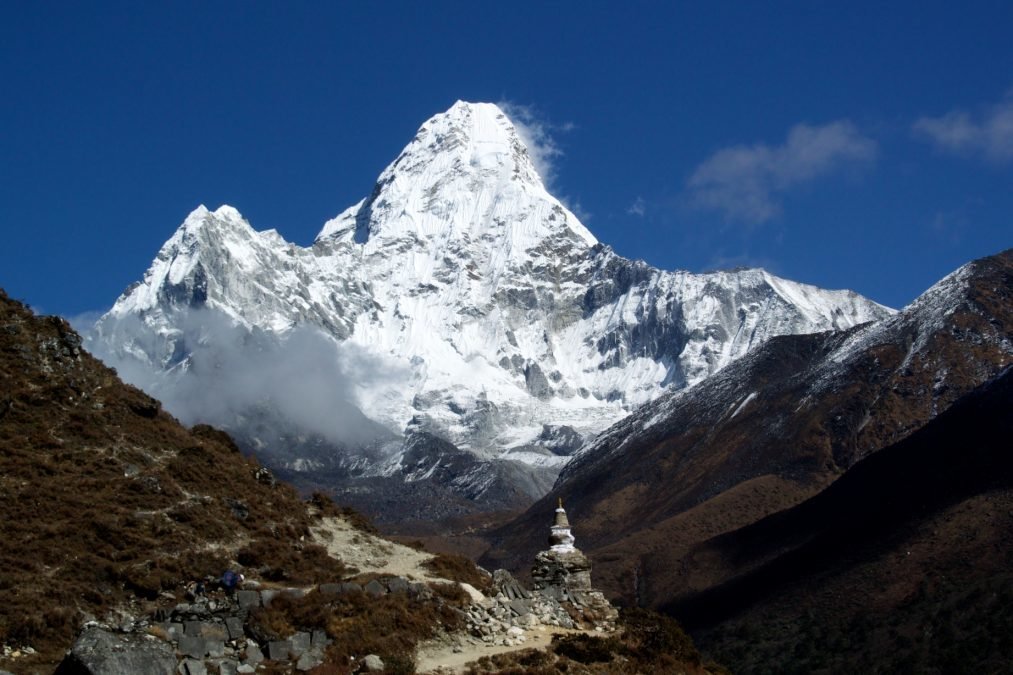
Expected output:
(459, 300)
(465, 176)
(477, 139)
(203, 265)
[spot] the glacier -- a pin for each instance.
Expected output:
(459, 300)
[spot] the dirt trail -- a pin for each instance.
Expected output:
(441, 658)
(370, 554)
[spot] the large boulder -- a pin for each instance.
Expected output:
(98, 651)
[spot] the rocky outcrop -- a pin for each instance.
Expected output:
(99, 651)
(512, 611)
(208, 635)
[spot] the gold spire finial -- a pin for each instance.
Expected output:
(560, 502)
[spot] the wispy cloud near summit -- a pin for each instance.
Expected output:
(746, 182)
(536, 134)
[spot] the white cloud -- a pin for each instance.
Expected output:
(746, 182)
(577, 209)
(637, 208)
(989, 133)
(84, 321)
(306, 380)
(536, 133)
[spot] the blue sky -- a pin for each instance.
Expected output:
(849, 145)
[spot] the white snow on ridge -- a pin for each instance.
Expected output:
(467, 300)
(742, 405)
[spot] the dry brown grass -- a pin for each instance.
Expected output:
(459, 568)
(106, 497)
(359, 624)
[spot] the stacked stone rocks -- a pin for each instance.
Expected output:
(563, 573)
(504, 618)
(211, 635)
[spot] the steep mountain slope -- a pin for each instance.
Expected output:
(903, 564)
(769, 431)
(459, 300)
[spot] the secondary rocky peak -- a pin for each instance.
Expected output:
(202, 217)
(208, 252)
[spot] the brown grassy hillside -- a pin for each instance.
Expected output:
(105, 498)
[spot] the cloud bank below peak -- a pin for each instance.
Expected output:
(746, 183)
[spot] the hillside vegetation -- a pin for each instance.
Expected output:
(108, 499)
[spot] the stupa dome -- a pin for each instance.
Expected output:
(560, 537)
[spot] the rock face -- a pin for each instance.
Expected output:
(459, 300)
(101, 652)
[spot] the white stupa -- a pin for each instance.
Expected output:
(561, 539)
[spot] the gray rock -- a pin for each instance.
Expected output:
(234, 626)
(267, 595)
(100, 652)
(299, 644)
(319, 640)
(192, 628)
(520, 607)
(193, 645)
(227, 667)
(373, 663)
(397, 585)
(246, 668)
(309, 660)
(330, 589)
(192, 667)
(278, 650)
(216, 648)
(536, 382)
(375, 588)
(248, 599)
(253, 655)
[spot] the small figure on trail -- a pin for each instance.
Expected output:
(229, 581)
